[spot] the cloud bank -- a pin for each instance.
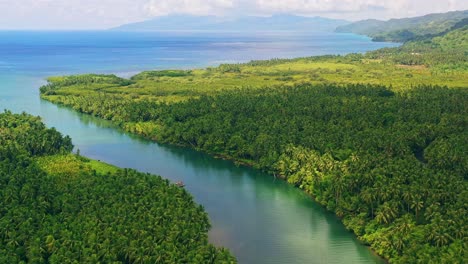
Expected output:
(349, 9)
(59, 14)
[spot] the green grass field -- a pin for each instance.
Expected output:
(162, 87)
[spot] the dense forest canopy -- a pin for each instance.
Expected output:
(378, 138)
(56, 207)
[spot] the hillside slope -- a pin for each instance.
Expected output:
(402, 30)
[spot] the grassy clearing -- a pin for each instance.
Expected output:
(72, 165)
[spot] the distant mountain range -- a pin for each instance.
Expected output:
(247, 23)
(402, 30)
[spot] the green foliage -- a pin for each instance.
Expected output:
(61, 208)
(396, 36)
(89, 80)
(28, 134)
(454, 40)
(164, 73)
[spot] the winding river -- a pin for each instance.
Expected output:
(260, 219)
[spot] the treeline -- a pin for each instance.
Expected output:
(28, 135)
(82, 80)
(62, 215)
(392, 164)
(163, 73)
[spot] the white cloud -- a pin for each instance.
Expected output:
(359, 9)
(194, 7)
(348, 9)
(307, 6)
(107, 13)
(62, 14)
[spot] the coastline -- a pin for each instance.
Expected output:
(130, 127)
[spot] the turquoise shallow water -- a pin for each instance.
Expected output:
(260, 219)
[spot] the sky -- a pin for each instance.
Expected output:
(102, 14)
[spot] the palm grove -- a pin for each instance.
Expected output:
(56, 207)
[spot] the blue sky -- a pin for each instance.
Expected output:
(101, 14)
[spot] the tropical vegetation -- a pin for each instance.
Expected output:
(378, 138)
(57, 207)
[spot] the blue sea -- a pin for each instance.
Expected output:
(48, 53)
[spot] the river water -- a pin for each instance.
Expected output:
(260, 219)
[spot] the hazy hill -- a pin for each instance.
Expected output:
(247, 23)
(402, 30)
(455, 39)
